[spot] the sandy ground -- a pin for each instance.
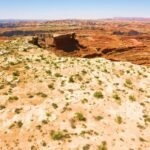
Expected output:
(61, 103)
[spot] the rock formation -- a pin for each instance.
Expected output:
(45, 40)
(34, 40)
(133, 32)
(129, 33)
(67, 42)
(118, 33)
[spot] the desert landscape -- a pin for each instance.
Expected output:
(74, 84)
(75, 75)
(114, 39)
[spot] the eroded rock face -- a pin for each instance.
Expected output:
(67, 42)
(42, 40)
(132, 48)
(34, 40)
(45, 40)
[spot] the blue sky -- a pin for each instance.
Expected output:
(64, 9)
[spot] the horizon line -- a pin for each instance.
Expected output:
(50, 19)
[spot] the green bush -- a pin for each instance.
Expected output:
(98, 94)
(57, 135)
(103, 146)
(132, 98)
(80, 116)
(71, 80)
(118, 119)
(117, 98)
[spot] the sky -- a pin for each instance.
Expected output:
(73, 9)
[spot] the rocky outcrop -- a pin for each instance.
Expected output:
(129, 33)
(45, 40)
(118, 33)
(67, 42)
(34, 40)
(133, 32)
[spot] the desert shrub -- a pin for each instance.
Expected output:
(83, 101)
(16, 73)
(98, 118)
(80, 116)
(132, 98)
(55, 106)
(103, 146)
(117, 98)
(13, 98)
(128, 83)
(57, 135)
(98, 94)
(51, 86)
(42, 94)
(118, 119)
(2, 107)
(19, 124)
(71, 80)
(58, 75)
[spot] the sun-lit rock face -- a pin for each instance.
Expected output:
(63, 103)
